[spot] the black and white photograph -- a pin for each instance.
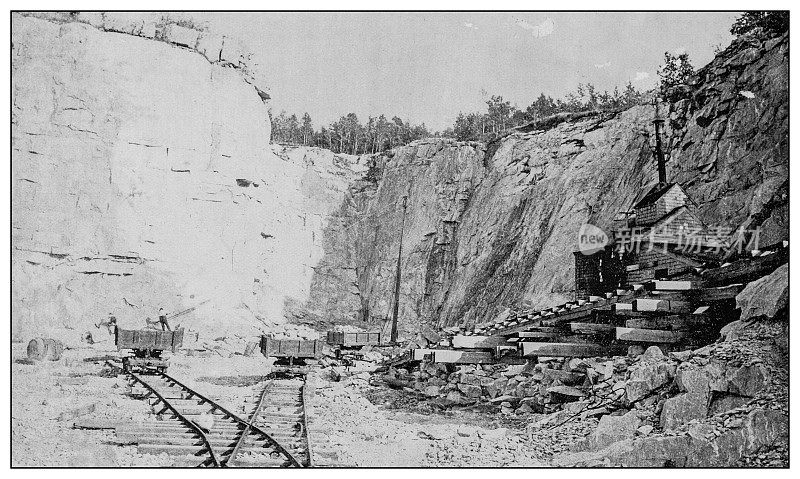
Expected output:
(398, 238)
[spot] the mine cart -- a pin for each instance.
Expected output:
(350, 344)
(143, 348)
(290, 349)
(336, 338)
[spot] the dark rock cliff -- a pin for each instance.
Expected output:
(493, 227)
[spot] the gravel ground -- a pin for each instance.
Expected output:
(366, 425)
(390, 434)
(361, 433)
(41, 436)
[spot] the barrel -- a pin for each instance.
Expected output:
(41, 348)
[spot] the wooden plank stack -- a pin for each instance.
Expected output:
(671, 313)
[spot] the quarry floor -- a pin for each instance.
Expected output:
(367, 426)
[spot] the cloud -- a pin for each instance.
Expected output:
(602, 65)
(641, 76)
(541, 30)
(470, 25)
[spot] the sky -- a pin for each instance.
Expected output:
(427, 67)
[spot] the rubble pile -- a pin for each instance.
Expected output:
(732, 394)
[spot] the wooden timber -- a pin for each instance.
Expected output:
(534, 332)
(568, 349)
(461, 341)
(654, 304)
(462, 357)
(649, 335)
(420, 353)
(675, 322)
(537, 334)
(592, 328)
(701, 295)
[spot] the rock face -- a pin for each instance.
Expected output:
(489, 228)
(143, 177)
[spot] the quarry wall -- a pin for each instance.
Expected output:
(508, 216)
(143, 177)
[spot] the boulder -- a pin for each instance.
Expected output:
(693, 380)
(747, 380)
(513, 370)
(431, 391)
(620, 365)
(652, 354)
(564, 377)
(564, 394)
(469, 390)
(524, 408)
(612, 429)
(766, 296)
(497, 386)
(647, 378)
(684, 408)
(454, 397)
(725, 402)
(761, 428)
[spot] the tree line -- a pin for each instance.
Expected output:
(349, 135)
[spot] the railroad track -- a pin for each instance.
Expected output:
(283, 408)
(229, 442)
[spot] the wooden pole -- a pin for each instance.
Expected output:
(659, 153)
(397, 275)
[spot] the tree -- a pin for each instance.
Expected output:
(307, 130)
(773, 23)
(499, 113)
(675, 74)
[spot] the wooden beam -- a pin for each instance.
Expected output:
(592, 328)
(420, 353)
(653, 304)
(640, 314)
(648, 304)
(534, 332)
(670, 322)
(674, 285)
(461, 341)
(539, 334)
(462, 357)
(648, 335)
(564, 349)
(702, 295)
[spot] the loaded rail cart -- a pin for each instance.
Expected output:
(142, 349)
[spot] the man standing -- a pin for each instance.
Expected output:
(110, 323)
(162, 319)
